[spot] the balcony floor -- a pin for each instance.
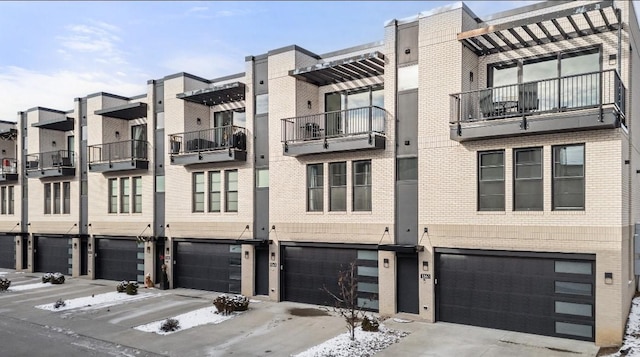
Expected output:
(349, 143)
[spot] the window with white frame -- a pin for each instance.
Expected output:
(362, 185)
(231, 199)
(11, 190)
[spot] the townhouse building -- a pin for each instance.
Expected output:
(474, 171)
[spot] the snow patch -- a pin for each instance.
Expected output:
(366, 344)
(204, 316)
(97, 301)
(29, 286)
(4, 272)
(631, 341)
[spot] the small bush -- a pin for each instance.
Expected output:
(57, 278)
(370, 324)
(46, 278)
(132, 288)
(122, 286)
(4, 284)
(228, 304)
(59, 303)
(170, 325)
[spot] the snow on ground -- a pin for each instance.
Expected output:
(97, 301)
(366, 344)
(29, 286)
(206, 315)
(631, 342)
(4, 272)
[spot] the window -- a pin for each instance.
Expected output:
(198, 192)
(124, 195)
(214, 191)
(407, 77)
(66, 197)
(11, 199)
(113, 195)
(568, 177)
(491, 181)
(407, 169)
(315, 184)
(47, 198)
(362, 185)
(262, 178)
(56, 198)
(338, 186)
(527, 179)
(137, 194)
(3, 200)
(231, 199)
(338, 122)
(262, 104)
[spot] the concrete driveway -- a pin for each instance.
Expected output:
(267, 329)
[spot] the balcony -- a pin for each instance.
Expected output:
(57, 163)
(119, 156)
(8, 170)
(220, 144)
(585, 101)
(344, 130)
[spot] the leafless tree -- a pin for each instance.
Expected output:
(346, 299)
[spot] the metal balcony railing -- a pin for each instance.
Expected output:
(118, 151)
(9, 166)
(575, 92)
(51, 159)
(219, 138)
(343, 123)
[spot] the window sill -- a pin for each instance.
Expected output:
(338, 213)
(314, 213)
(368, 213)
(491, 213)
(528, 213)
(569, 212)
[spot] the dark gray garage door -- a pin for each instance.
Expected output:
(52, 254)
(533, 293)
(208, 266)
(7, 252)
(119, 259)
(307, 270)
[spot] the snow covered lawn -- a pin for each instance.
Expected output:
(29, 286)
(97, 301)
(366, 344)
(631, 342)
(204, 316)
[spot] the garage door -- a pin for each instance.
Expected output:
(207, 266)
(7, 252)
(307, 270)
(52, 254)
(119, 259)
(543, 294)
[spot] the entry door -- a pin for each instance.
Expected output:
(407, 283)
(262, 271)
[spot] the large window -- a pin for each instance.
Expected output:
(231, 199)
(214, 191)
(198, 192)
(338, 186)
(527, 179)
(113, 195)
(66, 197)
(568, 177)
(315, 184)
(491, 181)
(362, 185)
(339, 122)
(124, 195)
(137, 194)
(47, 198)
(3, 200)
(11, 199)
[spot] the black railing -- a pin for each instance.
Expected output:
(343, 123)
(580, 91)
(50, 159)
(219, 138)
(118, 151)
(9, 166)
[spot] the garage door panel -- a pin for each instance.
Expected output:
(117, 259)
(7, 252)
(207, 266)
(52, 255)
(517, 293)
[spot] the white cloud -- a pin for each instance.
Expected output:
(205, 65)
(197, 9)
(22, 89)
(98, 40)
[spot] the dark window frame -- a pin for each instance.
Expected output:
(195, 194)
(136, 194)
(229, 191)
(479, 180)
(315, 187)
(554, 178)
(515, 173)
(333, 186)
(368, 186)
(212, 192)
(112, 206)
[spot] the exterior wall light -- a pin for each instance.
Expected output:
(385, 262)
(273, 255)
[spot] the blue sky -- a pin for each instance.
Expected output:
(56, 51)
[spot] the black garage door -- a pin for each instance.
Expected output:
(52, 254)
(7, 252)
(307, 271)
(533, 293)
(207, 266)
(119, 259)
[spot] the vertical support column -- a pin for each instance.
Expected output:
(153, 263)
(387, 280)
(91, 257)
(168, 260)
(248, 268)
(75, 257)
(30, 251)
(24, 193)
(274, 272)
(19, 246)
(149, 261)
